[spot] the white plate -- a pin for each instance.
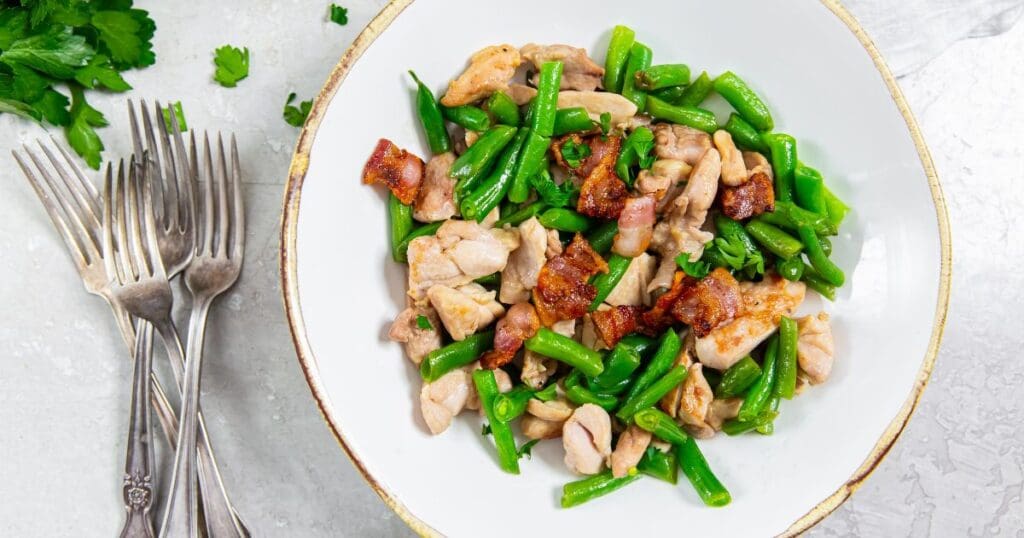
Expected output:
(825, 84)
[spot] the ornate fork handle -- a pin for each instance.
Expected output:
(138, 484)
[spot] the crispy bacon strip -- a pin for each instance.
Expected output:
(400, 170)
(563, 290)
(520, 322)
(603, 194)
(602, 149)
(614, 323)
(750, 199)
(636, 227)
(709, 303)
(659, 316)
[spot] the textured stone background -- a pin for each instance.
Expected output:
(957, 470)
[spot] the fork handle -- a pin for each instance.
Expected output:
(137, 488)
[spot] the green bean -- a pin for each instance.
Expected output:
(661, 425)
(401, 224)
(837, 210)
(477, 204)
(639, 343)
(618, 54)
(629, 155)
(818, 284)
(759, 393)
(738, 378)
(737, 427)
(504, 441)
(652, 393)
(592, 487)
(510, 405)
(504, 109)
(491, 280)
(572, 120)
(791, 268)
(470, 117)
(826, 245)
(783, 155)
(606, 282)
(774, 239)
(565, 349)
(698, 118)
(580, 395)
(661, 465)
(697, 91)
(809, 188)
(744, 100)
(565, 220)
(639, 59)
(602, 237)
(672, 94)
(697, 471)
(789, 216)
(825, 268)
(531, 159)
(547, 393)
(543, 118)
(619, 364)
(662, 76)
(785, 361)
(522, 214)
(431, 118)
(771, 408)
(668, 349)
(421, 231)
(455, 355)
(470, 167)
(614, 390)
(744, 134)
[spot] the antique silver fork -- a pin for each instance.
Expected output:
(214, 268)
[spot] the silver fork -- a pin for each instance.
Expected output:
(214, 268)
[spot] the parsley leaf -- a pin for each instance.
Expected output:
(573, 154)
(636, 151)
(54, 53)
(527, 449)
(296, 115)
(80, 132)
(423, 323)
(13, 106)
(126, 35)
(232, 65)
(179, 116)
(553, 194)
(339, 14)
(53, 106)
(485, 429)
(98, 72)
(13, 26)
(697, 269)
(606, 123)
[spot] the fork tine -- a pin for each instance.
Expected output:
(237, 204)
(121, 216)
(169, 183)
(151, 246)
(185, 175)
(85, 207)
(53, 211)
(71, 215)
(134, 225)
(154, 164)
(136, 138)
(222, 199)
(109, 257)
(206, 212)
(93, 195)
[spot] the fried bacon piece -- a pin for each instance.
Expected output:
(603, 194)
(563, 290)
(400, 170)
(520, 322)
(602, 149)
(750, 199)
(708, 303)
(659, 316)
(636, 226)
(614, 323)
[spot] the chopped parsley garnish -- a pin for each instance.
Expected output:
(296, 115)
(527, 449)
(573, 154)
(485, 429)
(232, 65)
(423, 323)
(179, 116)
(339, 14)
(697, 269)
(606, 123)
(553, 194)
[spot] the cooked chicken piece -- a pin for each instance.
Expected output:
(554, 245)
(553, 411)
(579, 71)
(521, 93)
(680, 143)
(632, 287)
(489, 70)
(588, 335)
(506, 237)
(636, 227)
(635, 123)
(399, 170)
(801, 383)
(755, 162)
(470, 138)
(434, 201)
(722, 410)
(696, 397)
(750, 199)
(416, 341)
(763, 304)
(708, 303)
(612, 324)
(587, 438)
(466, 309)
(597, 103)
(661, 178)
(535, 428)
(563, 290)
(629, 449)
(441, 400)
(501, 377)
(687, 357)
(815, 348)
(459, 253)
(734, 171)
(536, 367)
(524, 265)
(520, 322)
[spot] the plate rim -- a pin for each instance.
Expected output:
(307, 361)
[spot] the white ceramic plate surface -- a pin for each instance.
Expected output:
(822, 83)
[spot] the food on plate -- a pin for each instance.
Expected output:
(593, 257)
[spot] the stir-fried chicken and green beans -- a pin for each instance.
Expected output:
(592, 257)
